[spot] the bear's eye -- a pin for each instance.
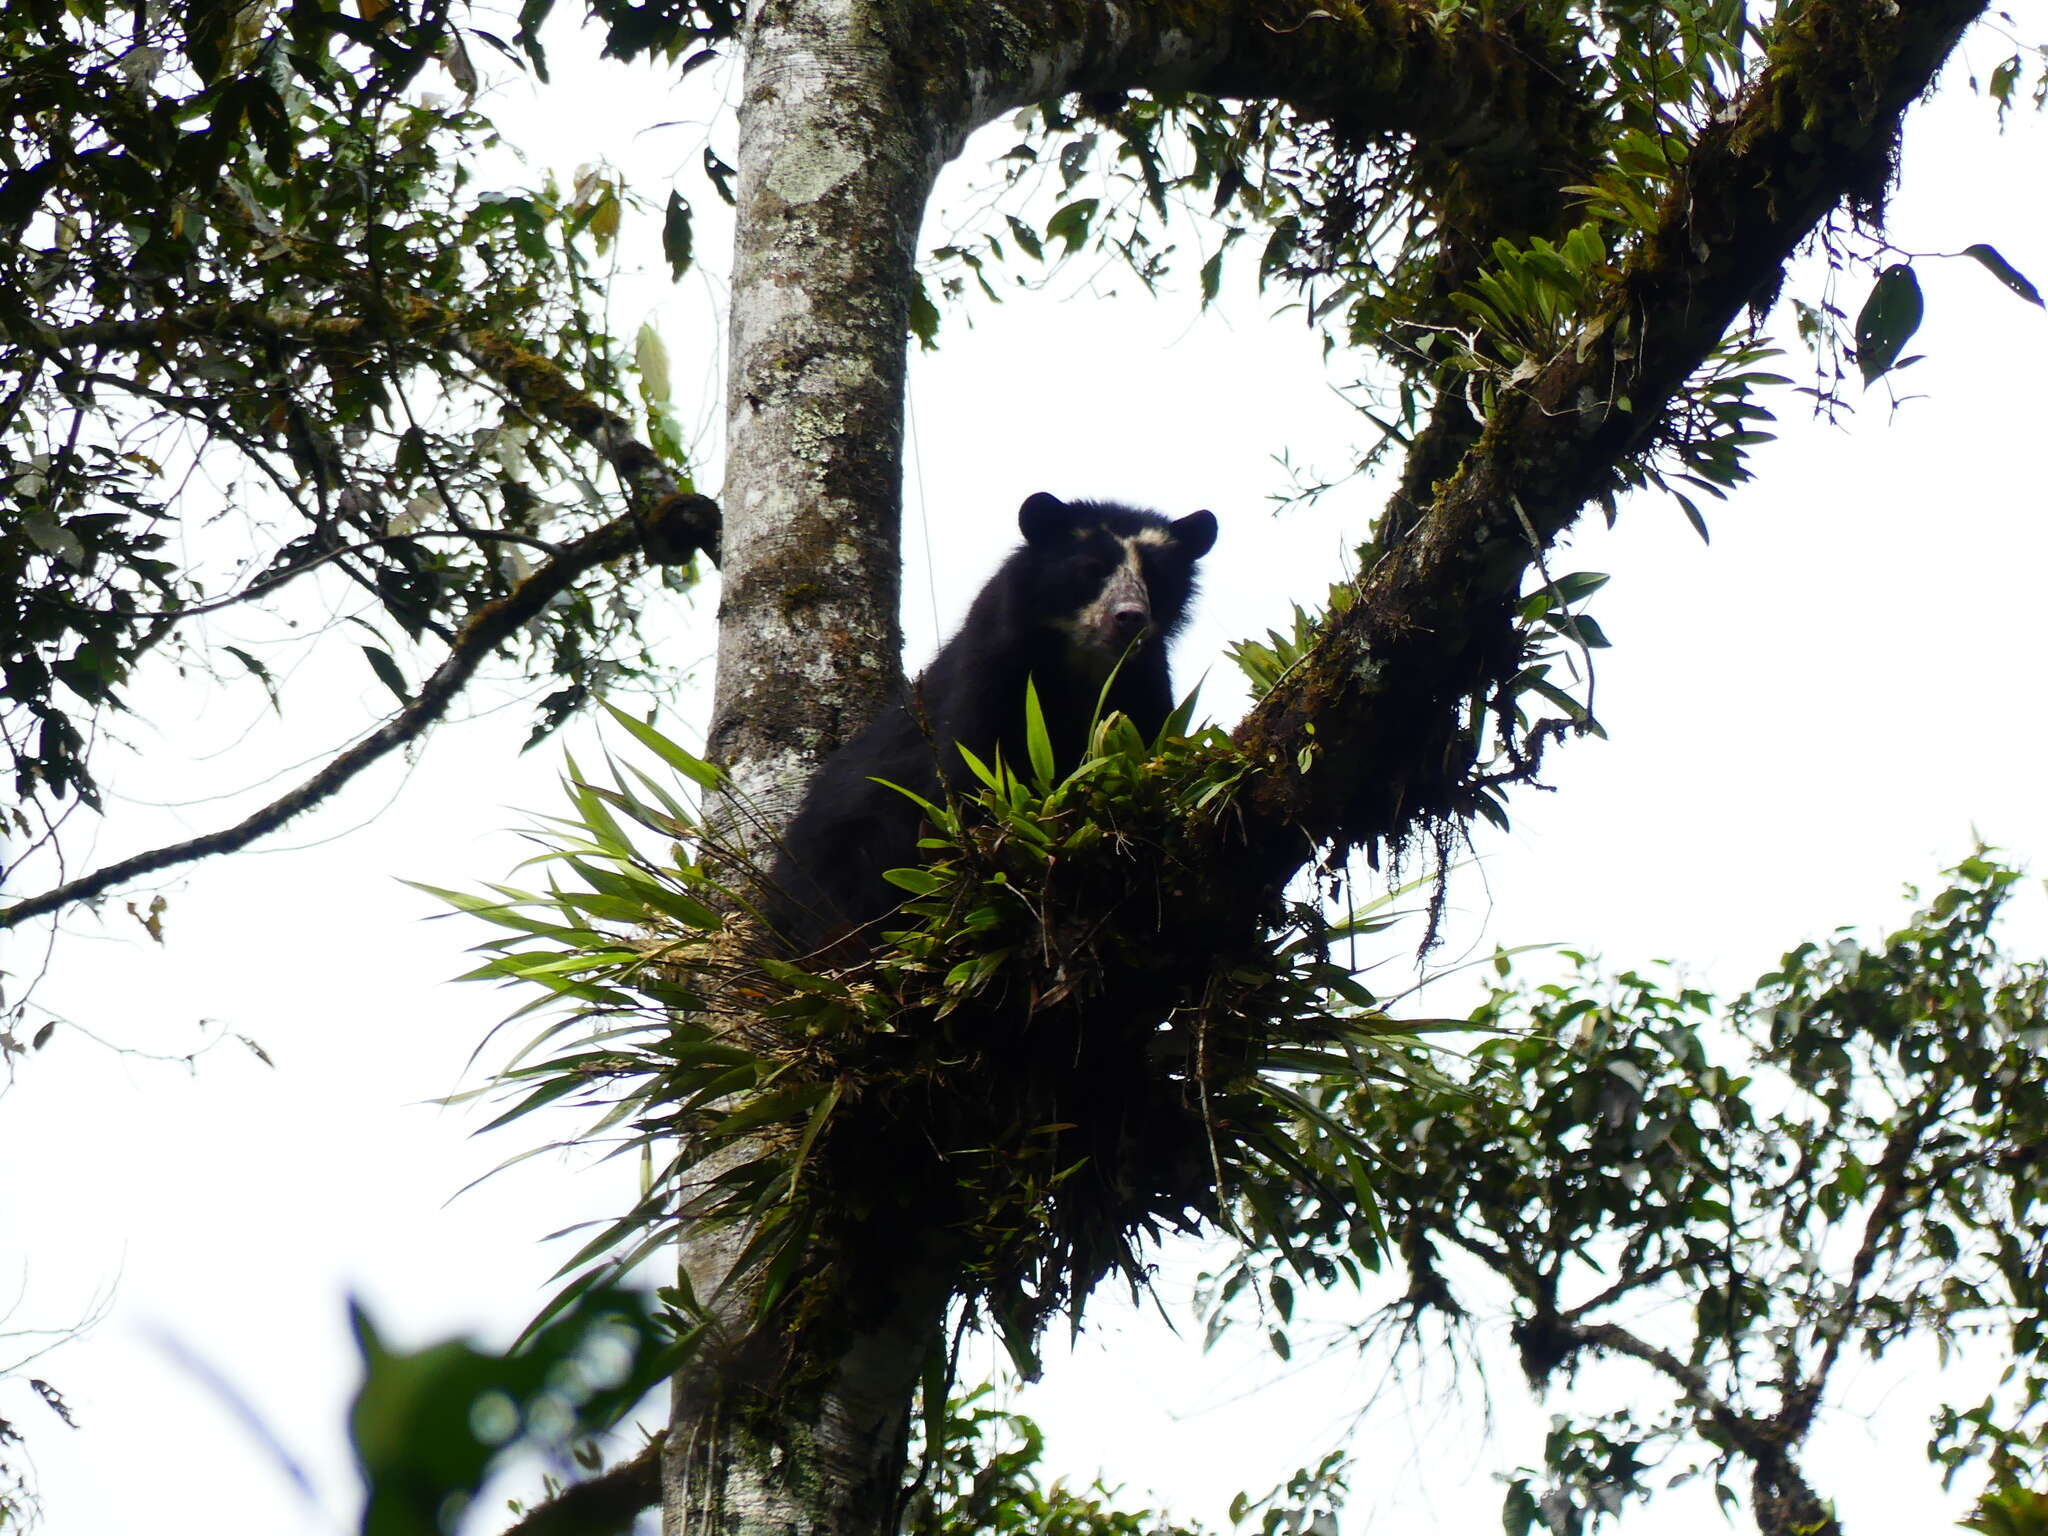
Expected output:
(1096, 565)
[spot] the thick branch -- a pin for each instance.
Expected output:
(1785, 1503)
(1493, 94)
(487, 629)
(1381, 704)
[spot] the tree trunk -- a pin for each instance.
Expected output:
(761, 1444)
(834, 171)
(835, 167)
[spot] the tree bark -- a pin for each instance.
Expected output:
(834, 171)
(835, 165)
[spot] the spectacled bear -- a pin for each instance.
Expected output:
(1093, 585)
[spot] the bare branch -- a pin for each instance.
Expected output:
(1631, 1281)
(170, 616)
(681, 522)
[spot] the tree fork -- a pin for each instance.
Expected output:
(839, 145)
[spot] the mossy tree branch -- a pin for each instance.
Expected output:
(1382, 699)
(1496, 89)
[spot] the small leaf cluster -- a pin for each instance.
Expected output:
(1533, 302)
(1265, 662)
(981, 1476)
(1895, 308)
(1642, 168)
(1589, 1474)
(1530, 709)
(1540, 302)
(1709, 428)
(1307, 1504)
(2005, 81)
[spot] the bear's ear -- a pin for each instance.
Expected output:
(1044, 517)
(1195, 533)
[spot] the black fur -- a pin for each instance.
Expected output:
(1062, 611)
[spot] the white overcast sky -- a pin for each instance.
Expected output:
(1826, 704)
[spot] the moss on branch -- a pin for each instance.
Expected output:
(1385, 693)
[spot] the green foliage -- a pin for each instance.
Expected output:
(1265, 662)
(1737, 1197)
(1888, 319)
(245, 252)
(1632, 186)
(1533, 301)
(982, 1477)
(428, 1426)
(2010, 1512)
(1002, 1072)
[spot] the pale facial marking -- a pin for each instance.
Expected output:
(1099, 630)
